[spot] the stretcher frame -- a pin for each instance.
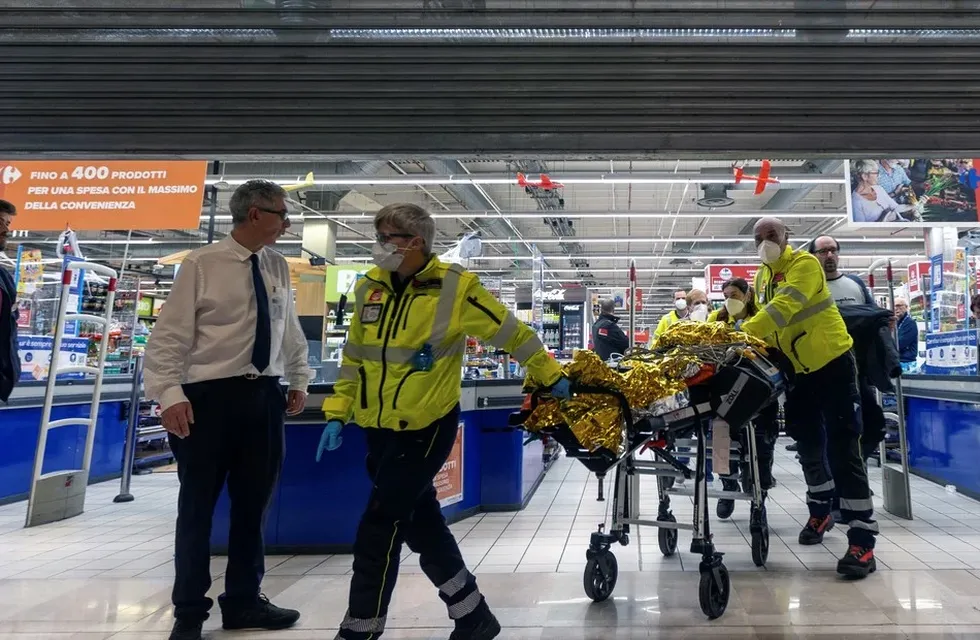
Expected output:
(663, 431)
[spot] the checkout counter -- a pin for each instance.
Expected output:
(943, 429)
(317, 506)
(20, 419)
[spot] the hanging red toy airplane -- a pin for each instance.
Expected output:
(545, 183)
(761, 180)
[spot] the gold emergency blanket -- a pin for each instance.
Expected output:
(595, 418)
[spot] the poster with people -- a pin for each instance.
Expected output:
(910, 192)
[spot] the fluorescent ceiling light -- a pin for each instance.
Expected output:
(576, 215)
(475, 179)
(642, 240)
(559, 33)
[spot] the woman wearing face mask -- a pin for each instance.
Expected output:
(740, 305)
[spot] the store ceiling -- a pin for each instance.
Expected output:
(587, 232)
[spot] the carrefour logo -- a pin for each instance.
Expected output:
(10, 174)
(726, 273)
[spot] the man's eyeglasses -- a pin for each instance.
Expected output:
(383, 238)
(827, 252)
(282, 213)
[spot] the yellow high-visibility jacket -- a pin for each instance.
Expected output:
(798, 313)
(668, 319)
(382, 383)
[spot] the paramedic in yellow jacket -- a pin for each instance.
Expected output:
(799, 316)
(678, 313)
(400, 381)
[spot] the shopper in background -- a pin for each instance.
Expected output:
(908, 333)
(799, 316)
(9, 360)
(607, 336)
(400, 381)
(225, 337)
(740, 305)
(975, 306)
(870, 328)
(697, 304)
(678, 313)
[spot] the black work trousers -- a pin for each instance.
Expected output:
(825, 407)
(403, 508)
(237, 436)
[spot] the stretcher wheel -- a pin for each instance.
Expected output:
(667, 537)
(760, 547)
(714, 598)
(601, 573)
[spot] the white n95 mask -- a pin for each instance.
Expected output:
(734, 306)
(386, 256)
(680, 304)
(769, 251)
(700, 313)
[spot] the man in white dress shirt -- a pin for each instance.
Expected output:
(225, 337)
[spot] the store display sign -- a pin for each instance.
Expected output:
(951, 353)
(30, 270)
(35, 356)
(144, 308)
(916, 271)
(75, 288)
(923, 192)
(449, 481)
(341, 278)
(537, 291)
(96, 195)
(936, 272)
(716, 275)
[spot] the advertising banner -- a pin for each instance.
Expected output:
(35, 356)
(104, 195)
(951, 353)
(925, 192)
(715, 276)
(449, 481)
(936, 272)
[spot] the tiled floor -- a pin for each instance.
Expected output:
(106, 574)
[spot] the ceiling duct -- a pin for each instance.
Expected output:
(715, 196)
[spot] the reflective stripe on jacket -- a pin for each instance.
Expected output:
(382, 383)
(668, 319)
(798, 312)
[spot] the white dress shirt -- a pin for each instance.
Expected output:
(206, 329)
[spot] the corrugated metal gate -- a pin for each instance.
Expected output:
(675, 79)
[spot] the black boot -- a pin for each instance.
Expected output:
(186, 630)
(726, 506)
(261, 615)
(479, 625)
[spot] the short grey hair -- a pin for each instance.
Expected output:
(862, 167)
(607, 305)
(408, 218)
(253, 194)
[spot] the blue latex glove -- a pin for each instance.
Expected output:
(561, 389)
(331, 439)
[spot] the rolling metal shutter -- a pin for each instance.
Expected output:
(742, 78)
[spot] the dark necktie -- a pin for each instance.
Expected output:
(263, 328)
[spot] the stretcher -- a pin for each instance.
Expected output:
(743, 383)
